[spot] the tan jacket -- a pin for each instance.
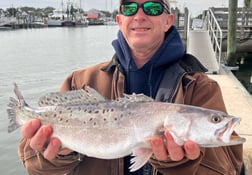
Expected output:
(200, 91)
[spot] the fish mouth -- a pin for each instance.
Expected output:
(226, 134)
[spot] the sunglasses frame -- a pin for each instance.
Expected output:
(164, 8)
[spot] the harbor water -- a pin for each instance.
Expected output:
(38, 60)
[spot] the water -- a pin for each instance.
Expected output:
(38, 60)
(244, 74)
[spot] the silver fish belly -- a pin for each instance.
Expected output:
(88, 123)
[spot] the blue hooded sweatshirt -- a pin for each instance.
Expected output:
(147, 78)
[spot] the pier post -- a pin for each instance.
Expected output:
(231, 42)
(186, 22)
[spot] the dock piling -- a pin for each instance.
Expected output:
(232, 25)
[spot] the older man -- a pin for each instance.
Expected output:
(149, 58)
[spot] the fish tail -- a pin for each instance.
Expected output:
(14, 106)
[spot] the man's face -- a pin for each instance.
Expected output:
(142, 31)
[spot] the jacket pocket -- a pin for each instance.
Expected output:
(209, 168)
(217, 161)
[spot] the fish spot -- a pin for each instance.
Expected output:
(94, 123)
(60, 112)
(55, 115)
(66, 121)
(96, 112)
(90, 119)
(61, 119)
(105, 119)
(115, 119)
(103, 111)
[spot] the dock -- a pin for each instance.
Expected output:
(206, 44)
(199, 45)
(238, 103)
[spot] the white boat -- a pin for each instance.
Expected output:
(57, 18)
(80, 20)
(63, 17)
(7, 21)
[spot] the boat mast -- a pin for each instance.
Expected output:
(62, 6)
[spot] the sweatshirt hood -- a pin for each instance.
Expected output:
(146, 79)
(170, 51)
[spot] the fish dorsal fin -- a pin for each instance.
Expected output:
(89, 95)
(135, 98)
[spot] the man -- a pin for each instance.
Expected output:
(150, 59)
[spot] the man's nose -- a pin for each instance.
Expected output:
(140, 14)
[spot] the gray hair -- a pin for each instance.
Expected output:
(167, 4)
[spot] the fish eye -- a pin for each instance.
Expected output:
(216, 118)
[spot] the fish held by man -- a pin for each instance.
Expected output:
(88, 123)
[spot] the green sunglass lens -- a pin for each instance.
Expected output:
(129, 9)
(153, 8)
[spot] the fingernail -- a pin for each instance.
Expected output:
(156, 142)
(47, 130)
(168, 135)
(35, 124)
(190, 146)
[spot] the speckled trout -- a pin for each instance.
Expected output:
(88, 123)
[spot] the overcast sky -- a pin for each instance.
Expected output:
(195, 6)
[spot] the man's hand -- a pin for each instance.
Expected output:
(164, 147)
(40, 139)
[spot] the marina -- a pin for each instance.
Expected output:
(39, 60)
(48, 54)
(69, 14)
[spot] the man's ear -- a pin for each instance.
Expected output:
(118, 19)
(169, 22)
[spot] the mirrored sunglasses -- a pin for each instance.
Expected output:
(151, 8)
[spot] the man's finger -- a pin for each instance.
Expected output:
(52, 149)
(192, 150)
(30, 128)
(175, 151)
(41, 137)
(159, 149)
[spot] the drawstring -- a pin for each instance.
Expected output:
(149, 81)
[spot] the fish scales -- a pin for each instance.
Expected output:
(88, 123)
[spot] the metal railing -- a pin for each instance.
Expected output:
(216, 35)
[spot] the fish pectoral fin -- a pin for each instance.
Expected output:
(140, 157)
